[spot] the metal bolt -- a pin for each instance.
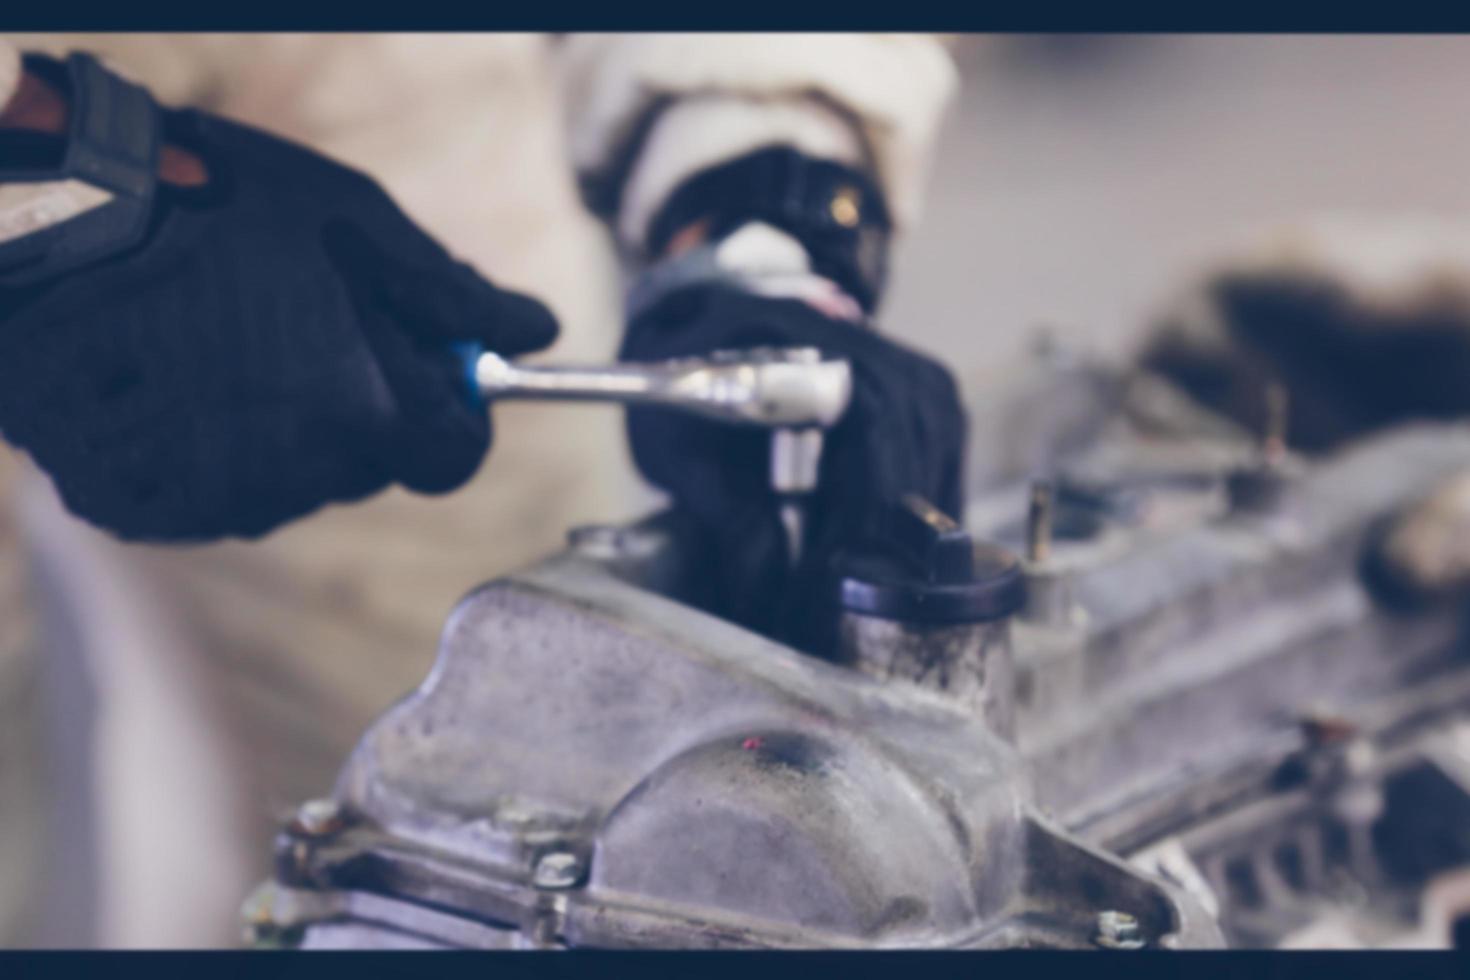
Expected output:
(598, 540)
(1038, 522)
(558, 869)
(317, 818)
(1118, 930)
(1048, 587)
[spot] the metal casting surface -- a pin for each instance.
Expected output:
(1203, 726)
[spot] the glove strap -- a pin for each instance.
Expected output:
(112, 144)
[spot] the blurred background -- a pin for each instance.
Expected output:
(1082, 181)
(161, 708)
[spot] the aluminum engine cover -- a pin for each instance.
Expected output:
(591, 763)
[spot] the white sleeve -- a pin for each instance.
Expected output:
(9, 71)
(875, 99)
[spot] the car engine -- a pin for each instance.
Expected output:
(1154, 698)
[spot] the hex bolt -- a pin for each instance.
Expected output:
(318, 818)
(258, 910)
(1262, 486)
(1049, 598)
(557, 870)
(1118, 930)
(598, 540)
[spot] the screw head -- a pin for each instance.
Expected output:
(258, 907)
(257, 917)
(1118, 930)
(317, 818)
(601, 541)
(557, 870)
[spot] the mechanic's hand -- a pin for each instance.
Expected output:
(278, 341)
(904, 433)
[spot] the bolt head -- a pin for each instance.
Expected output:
(1118, 930)
(317, 818)
(603, 542)
(259, 907)
(557, 869)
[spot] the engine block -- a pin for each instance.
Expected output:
(1203, 727)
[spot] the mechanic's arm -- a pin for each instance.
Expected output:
(755, 183)
(206, 331)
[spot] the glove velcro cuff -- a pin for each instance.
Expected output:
(113, 139)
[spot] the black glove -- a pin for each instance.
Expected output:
(1348, 366)
(279, 340)
(903, 433)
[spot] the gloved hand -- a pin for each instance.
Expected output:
(279, 340)
(903, 433)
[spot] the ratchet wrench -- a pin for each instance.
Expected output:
(793, 391)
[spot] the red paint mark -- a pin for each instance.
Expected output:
(751, 744)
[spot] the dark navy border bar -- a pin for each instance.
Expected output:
(916, 15)
(1032, 965)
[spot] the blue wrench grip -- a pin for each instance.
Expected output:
(468, 353)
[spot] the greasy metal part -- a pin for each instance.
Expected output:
(1290, 869)
(1048, 586)
(1169, 860)
(316, 818)
(559, 869)
(772, 387)
(969, 662)
(1264, 485)
(1049, 600)
(1118, 930)
(696, 747)
(1230, 736)
(929, 605)
(1232, 626)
